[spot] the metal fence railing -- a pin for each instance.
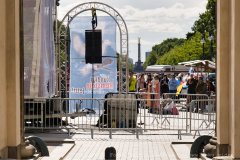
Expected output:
(129, 113)
(59, 113)
(187, 97)
(202, 115)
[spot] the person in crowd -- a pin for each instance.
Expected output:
(141, 88)
(156, 88)
(141, 84)
(132, 82)
(191, 83)
(210, 87)
(179, 78)
(201, 87)
(149, 91)
(180, 85)
(164, 85)
(172, 84)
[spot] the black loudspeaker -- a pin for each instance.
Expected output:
(93, 47)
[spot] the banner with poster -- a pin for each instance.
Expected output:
(81, 74)
(39, 54)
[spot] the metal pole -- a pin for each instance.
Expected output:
(92, 84)
(92, 79)
(203, 56)
(211, 50)
(22, 109)
(56, 50)
(203, 41)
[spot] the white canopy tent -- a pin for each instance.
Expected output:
(167, 68)
(203, 64)
(157, 68)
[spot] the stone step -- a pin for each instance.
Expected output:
(182, 151)
(59, 151)
(203, 156)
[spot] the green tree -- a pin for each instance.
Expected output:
(63, 57)
(173, 51)
(190, 50)
(207, 20)
(130, 63)
(151, 59)
(206, 24)
(167, 45)
(161, 49)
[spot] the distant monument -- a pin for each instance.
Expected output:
(138, 67)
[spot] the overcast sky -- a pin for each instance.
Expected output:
(152, 20)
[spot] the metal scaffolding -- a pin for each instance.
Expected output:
(63, 40)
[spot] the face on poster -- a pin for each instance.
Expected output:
(104, 75)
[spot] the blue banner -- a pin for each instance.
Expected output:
(81, 74)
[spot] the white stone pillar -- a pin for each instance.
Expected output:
(223, 73)
(228, 76)
(10, 136)
(234, 80)
(3, 88)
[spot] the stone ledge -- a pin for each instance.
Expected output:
(223, 158)
(203, 156)
(182, 150)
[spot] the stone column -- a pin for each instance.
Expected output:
(228, 85)
(10, 137)
(3, 88)
(223, 73)
(13, 77)
(234, 79)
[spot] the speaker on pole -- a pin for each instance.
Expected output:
(93, 49)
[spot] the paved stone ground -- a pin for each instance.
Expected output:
(127, 147)
(150, 146)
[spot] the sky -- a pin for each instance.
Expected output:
(152, 20)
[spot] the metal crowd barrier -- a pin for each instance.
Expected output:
(202, 115)
(61, 113)
(129, 114)
(187, 97)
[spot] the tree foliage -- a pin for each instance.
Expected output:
(64, 47)
(130, 62)
(173, 51)
(161, 49)
(167, 45)
(207, 20)
(192, 49)
(151, 59)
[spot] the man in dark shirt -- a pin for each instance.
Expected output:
(192, 83)
(164, 85)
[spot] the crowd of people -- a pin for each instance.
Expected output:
(195, 84)
(155, 85)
